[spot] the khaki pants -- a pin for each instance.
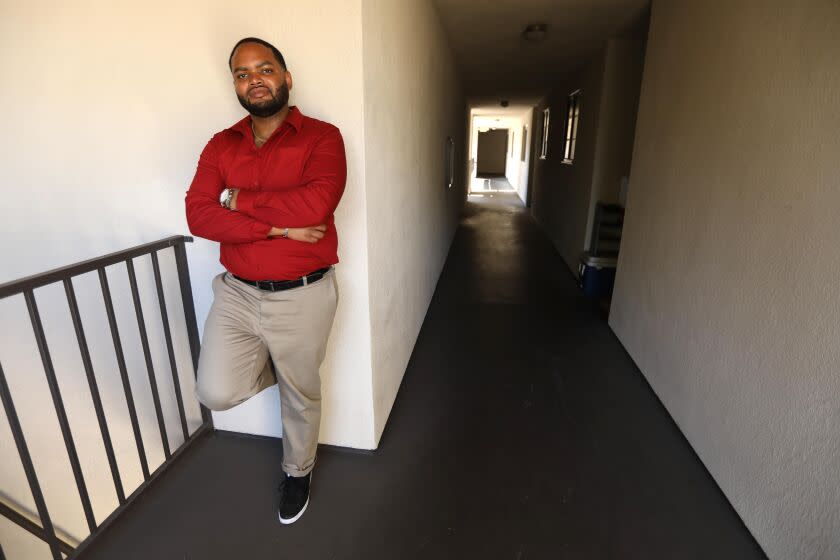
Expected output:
(254, 338)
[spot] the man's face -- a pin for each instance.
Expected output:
(262, 85)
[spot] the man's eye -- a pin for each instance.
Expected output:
(242, 76)
(267, 71)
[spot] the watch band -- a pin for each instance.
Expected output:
(286, 232)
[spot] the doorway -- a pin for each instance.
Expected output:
(491, 159)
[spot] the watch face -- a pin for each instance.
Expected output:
(222, 196)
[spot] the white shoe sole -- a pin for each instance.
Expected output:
(296, 517)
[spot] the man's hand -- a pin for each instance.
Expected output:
(305, 235)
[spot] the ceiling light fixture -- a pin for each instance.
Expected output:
(535, 32)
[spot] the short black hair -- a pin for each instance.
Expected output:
(258, 41)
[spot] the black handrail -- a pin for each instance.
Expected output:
(45, 530)
(59, 274)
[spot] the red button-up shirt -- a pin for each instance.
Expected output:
(293, 180)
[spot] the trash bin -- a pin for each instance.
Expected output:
(597, 275)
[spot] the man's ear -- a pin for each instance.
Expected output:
(289, 82)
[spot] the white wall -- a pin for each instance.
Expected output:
(106, 107)
(413, 101)
(727, 293)
(516, 168)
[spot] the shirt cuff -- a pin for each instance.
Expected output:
(261, 230)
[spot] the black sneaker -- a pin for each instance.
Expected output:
(294, 497)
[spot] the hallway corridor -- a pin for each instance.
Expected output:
(522, 431)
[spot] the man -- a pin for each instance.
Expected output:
(266, 190)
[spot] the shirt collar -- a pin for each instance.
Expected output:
(294, 119)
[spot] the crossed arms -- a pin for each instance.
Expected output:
(259, 215)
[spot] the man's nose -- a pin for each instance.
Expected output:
(255, 79)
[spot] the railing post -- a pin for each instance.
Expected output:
(94, 389)
(58, 403)
(189, 315)
(129, 396)
(28, 467)
(147, 355)
(170, 350)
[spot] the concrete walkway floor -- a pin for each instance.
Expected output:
(522, 431)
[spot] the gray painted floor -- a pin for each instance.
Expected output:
(522, 431)
(490, 184)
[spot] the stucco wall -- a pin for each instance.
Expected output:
(567, 194)
(623, 61)
(563, 192)
(105, 109)
(413, 101)
(727, 293)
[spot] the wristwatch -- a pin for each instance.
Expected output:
(225, 198)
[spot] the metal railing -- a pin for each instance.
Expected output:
(40, 523)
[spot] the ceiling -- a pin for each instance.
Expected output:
(497, 63)
(515, 111)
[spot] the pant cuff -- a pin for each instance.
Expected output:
(295, 470)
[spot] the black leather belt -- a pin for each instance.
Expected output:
(280, 285)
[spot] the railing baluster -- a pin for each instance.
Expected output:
(28, 467)
(41, 339)
(189, 314)
(147, 354)
(170, 350)
(94, 389)
(129, 398)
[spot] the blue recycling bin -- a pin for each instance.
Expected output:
(597, 275)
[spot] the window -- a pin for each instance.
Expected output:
(546, 122)
(450, 162)
(571, 127)
(524, 143)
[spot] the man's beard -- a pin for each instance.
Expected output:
(268, 107)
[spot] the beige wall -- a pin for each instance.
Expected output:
(623, 61)
(105, 107)
(565, 195)
(727, 293)
(563, 192)
(410, 109)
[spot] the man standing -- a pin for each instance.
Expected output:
(266, 190)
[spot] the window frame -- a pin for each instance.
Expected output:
(545, 129)
(571, 127)
(449, 163)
